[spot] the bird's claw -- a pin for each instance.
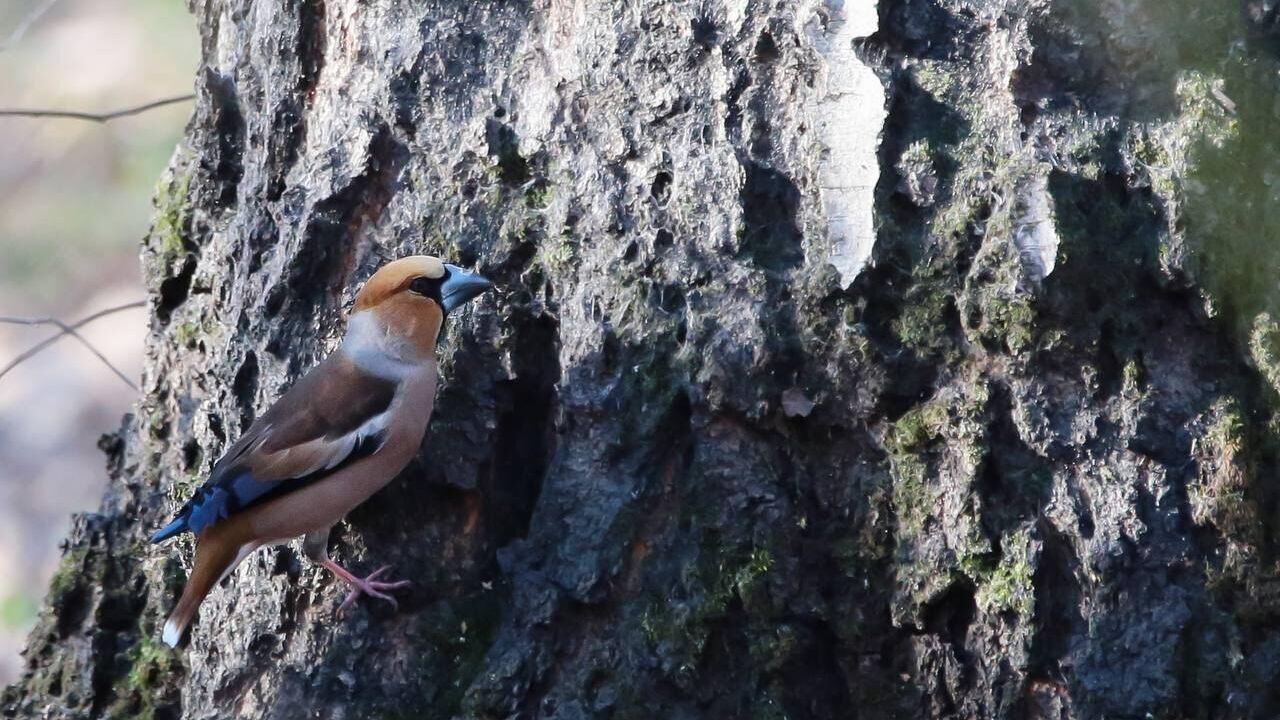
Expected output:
(372, 587)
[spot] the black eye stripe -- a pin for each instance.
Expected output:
(428, 287)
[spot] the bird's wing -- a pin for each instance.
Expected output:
(334, 415)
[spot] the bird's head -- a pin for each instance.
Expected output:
(400, 310)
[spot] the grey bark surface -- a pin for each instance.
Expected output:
(677, 469)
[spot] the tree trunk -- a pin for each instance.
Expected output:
(706, 453)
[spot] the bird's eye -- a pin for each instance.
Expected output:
(422, 286)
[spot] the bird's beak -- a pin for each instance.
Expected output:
(461, 286)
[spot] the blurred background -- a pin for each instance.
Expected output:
(75, 200)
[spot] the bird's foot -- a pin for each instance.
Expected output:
(372, 587)
(369, 585)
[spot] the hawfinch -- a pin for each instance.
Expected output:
(335, 438)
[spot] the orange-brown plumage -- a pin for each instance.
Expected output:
(394, 277)
(336, 437)
(414, 318)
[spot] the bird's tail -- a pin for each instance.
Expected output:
(174, 527)
(213, 561)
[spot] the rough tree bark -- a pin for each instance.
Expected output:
(682, 466)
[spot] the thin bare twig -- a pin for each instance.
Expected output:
(65, 329)
(25, 24)
(95, 117)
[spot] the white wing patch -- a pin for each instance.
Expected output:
(322, 453)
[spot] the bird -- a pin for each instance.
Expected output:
(332, 440)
